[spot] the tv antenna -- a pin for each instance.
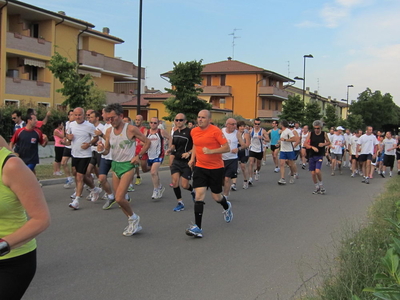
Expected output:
(233, 40)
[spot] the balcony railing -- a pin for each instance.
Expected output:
(17, 86)
(28, 44)
(217, 90)
(271, 91)
(268, 113)
(117, 98)
(106, 64)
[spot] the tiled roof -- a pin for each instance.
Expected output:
(229, 66)
(114, 38)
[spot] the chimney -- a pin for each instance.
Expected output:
(316, 92)
(229, 58)
(62, 13)
(329, 97)
(106, 30)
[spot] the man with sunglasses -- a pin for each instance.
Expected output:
(16, 116)
(181, 151)
(317, 142)
(257, 135)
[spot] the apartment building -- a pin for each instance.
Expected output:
(30, 35)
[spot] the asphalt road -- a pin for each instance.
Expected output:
(272, 245)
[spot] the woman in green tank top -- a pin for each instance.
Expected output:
(20, 195)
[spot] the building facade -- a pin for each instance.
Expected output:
(29, 37)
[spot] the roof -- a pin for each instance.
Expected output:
(105, 35)
(146, 98)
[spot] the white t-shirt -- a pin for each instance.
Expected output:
(338, 142)
(353, 142)
(287, 146)
(104, 130)
(388, 144)
(99, 127)
(347, 138)
(83, 133)
(67, 131)
(233, 144)
(367, 143)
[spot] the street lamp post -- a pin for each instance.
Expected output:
(304, 73)
(139, 57)
(347, 99)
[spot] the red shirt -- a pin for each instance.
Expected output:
(212, 138)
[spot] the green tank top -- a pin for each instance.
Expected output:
(12, 213)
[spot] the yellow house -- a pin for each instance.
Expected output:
(247, 90)
(30, 35)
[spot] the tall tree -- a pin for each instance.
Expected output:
(331, 118)
(75, 88)
(312, 113)
(185, 79)
(293, 109)
(355, 122)
(376, 109)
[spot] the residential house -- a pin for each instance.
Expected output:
(29, 36)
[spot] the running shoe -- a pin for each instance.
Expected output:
(291, 180)
(390, 174)
(195, 231)
(160, 192)
(263, 162)
(322, 191)
(296, 176)
(257, 176)
(303, 166)
(74, 204)
(89, 197)
(282, 181)
(109, 203)
(193, 193)
(105, 196)
(276, 170)
(367, 180)
(352, 174)
(133, 227)
(316, 191)
(96, 194)
(245, 185)
(383, 174)
(233, 187)
(73, 196)
(250, 181)
(131, 188)
(138, 180)
(228, 214)
(57, 173)
(363, 180)
(68, 183)
(333, 173)
(179, 207)
(154, 196)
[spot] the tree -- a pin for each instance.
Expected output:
(355, 122)
(293, 109)
(184, 80)
(75, 88)
(312, 113)
(331, 119)
(376, 110)
(96, 99)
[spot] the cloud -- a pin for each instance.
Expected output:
(308, 24)
(331, 15)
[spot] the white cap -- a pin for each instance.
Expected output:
(339, 128)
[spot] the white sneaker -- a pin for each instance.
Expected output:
(160, 192)
(257, 176)
(291, 179)
(68, 184)
(133, 227)
(390, 174)
(245, 185)
(276, 170)
(105, 196)
(263, 162)
(154, 196)
(74, 204)
(96, 194)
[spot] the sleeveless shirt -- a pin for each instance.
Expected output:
(122, 148)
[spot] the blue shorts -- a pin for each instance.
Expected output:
(105, 166)
(150, 162)
(314, 163)
(31, 166)
(287, 155)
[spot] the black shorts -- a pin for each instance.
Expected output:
(388, 160)
(243, 158)
(397, 155)
(80, 164)
(16, 274)
(212, 178)
(59, 151)
(274, 147)
(364, 157)
(256, 155)
(67, 152)
(231, 166)
(96, 158)
(353, 157)
(181, 167)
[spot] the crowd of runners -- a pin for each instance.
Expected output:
(202, 156)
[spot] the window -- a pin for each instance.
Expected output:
(11, 102)
(61, 107)
(35, 30)
(43, 104)
(33, 72)
(223, 78)
(276, 105)
(264, 82)
(264, 103)
(208, 80)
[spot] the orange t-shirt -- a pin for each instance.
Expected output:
(212, 138)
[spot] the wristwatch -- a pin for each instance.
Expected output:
(4, 247)
(140, 156)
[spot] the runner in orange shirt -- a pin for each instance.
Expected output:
(208, 145)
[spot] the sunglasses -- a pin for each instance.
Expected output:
(179, 120)
(153, 122)
(14, 118)
(257, 123)
(317, 128)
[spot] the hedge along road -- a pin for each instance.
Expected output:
(271, 246)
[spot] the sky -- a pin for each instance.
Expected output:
(353, 42)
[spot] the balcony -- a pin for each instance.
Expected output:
(272, 92)
(217, 90)
(17, 86)
(117, 98)
(28, 44)
(271, 114)
(121, 69)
